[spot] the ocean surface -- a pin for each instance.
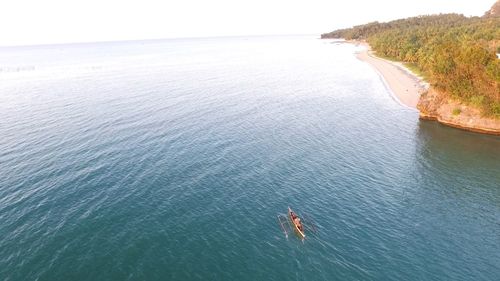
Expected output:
(171, 160)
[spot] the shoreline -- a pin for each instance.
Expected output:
(412, 91)
(405, 86)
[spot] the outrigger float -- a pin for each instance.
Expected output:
(293, 221)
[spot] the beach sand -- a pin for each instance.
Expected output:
(405, 86)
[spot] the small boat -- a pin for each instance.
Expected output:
(296, 222)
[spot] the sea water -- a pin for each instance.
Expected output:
(171, 159)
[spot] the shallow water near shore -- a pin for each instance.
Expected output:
(170, 160)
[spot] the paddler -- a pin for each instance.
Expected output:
(296, 220)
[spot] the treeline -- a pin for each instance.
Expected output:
(456, 54)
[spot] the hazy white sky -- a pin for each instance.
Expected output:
(60, 21)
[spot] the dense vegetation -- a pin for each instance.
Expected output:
(456, 54)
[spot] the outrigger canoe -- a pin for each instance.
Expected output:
(298, 226)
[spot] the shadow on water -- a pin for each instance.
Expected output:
(460, 147)
(455, 201)
(463, 162)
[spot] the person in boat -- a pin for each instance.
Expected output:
(297, 222)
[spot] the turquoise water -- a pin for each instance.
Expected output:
(170, 160)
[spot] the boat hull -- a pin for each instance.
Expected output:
(301, 233)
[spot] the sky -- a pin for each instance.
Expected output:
(28, 22)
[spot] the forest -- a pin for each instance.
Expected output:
(457, 55)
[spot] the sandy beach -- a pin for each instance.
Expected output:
(405, 86)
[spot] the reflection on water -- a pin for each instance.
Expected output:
(448, 140)
(456, 194)
(461, 160)
(170, 159)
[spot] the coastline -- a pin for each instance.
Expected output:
(405, 86)
(412, 91)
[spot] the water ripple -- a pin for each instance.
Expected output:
(171, 159)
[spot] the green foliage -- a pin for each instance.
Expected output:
(415, 69)
(477, 100)
(493, 69)
(456, 111)
(495, 109)
(456, 54)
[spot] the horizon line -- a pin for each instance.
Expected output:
(154, 39)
